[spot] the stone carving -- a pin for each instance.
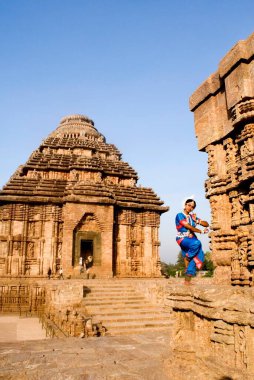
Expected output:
(59, 250)
(211, 161)
(235, 133)
(246, 148)
(74, 175)
(244, 213)
(16, 248)
(31, 229)
(231, 152)
(60, 230)
(211, 323)
(214, 212)
(30, 250)
(235, 212)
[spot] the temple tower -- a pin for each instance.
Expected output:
(75, 198)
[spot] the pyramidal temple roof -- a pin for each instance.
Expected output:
(74, 163)
(76, 125)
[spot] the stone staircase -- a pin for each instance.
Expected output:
(122, 309)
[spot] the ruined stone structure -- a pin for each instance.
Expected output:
(213, 335)
(223, 108)
(76, 198)
(214, 332)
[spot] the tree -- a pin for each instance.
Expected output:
(168, 269)
(208, 265)
(180, 262)
(171, 269)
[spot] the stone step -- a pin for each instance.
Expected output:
(137, 324)
(109, 291)
(121, 305)
(137, 330)
(138, 310)
(142, 313)
(105, 290)
(114, 299)
(122, 309)
(125, 318)
(114, 296)
(110, 288)
(108, 282)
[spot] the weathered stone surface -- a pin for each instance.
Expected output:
(214, 332)
(109, 358)
(224, 115)
(76, 198)
(19, 328)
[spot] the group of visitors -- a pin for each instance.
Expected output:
(85, 264)
(60, 273)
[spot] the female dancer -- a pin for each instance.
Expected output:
(192, 252)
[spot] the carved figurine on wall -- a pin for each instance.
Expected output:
(214, 211)
(31, 229)
(235, 266)
(16, 248)
(192, 251)
(211, 161)
(243, 253)
(235, 211)
(30, 250)
(246, 149)
(231, 152)
(245, 218)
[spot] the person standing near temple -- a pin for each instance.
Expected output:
(49, 273)
(193, 255)
(61, 277)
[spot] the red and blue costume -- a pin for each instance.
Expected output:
(190, 245)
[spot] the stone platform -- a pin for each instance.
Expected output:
(211, 337)
(14, 328)
(133, 357)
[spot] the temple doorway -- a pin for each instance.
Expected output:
(86, 244)
(86, 251)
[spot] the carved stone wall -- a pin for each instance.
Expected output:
(75, 191)
(137, 243)
(223, 108)
(213, 333)
(30, 238)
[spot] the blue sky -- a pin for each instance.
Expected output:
(131, 66)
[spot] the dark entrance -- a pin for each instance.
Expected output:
(86, 243)
(86, 249)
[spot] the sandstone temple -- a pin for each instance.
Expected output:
(75, 198)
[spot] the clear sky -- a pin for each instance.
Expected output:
(131, 66)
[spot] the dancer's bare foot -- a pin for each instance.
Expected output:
(187, 280)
